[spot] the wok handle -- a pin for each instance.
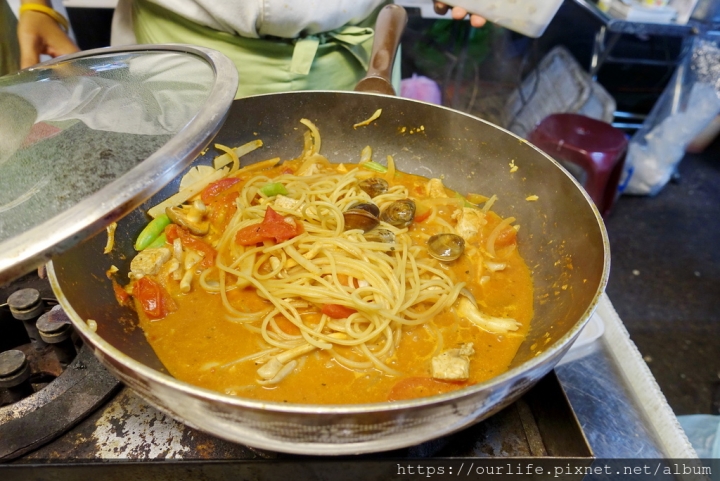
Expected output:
(389, 28)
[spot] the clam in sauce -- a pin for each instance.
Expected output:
(446, 247)
(362, 216)
(399, 214)
(374, 186)
(380, 235)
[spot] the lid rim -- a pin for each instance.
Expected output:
(113, 201)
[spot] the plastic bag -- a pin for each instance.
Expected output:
(421, 88)
(703, 431)
(689, 103)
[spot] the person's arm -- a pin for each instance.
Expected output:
(458, 13)
(39, 33)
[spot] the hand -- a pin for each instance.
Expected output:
(458, 13)
(39, 34)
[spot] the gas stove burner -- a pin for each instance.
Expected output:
(48, 380)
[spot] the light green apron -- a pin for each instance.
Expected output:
(9, 48)
(334, 60)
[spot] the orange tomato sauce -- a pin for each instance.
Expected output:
(198, 345)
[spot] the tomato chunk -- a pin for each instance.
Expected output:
(121, 296)
(273, 227)
(422, 210)
(423, 216)
(213, 190)
(336, 311)
(223, 208)
(155, 301)
(250, 235)
(174, 231)
(506, 237)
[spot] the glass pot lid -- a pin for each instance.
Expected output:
(86, 138)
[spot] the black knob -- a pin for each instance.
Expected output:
(14, 368)
(55, 328)
(15, 375)
(25, 304)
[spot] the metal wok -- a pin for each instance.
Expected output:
(562, 238)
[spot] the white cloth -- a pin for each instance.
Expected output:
(255, 18)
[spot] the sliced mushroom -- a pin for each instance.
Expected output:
(446, 247)
(189, 217)
(374, 186)
(399, 214)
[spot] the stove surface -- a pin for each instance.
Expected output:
(126, 428)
